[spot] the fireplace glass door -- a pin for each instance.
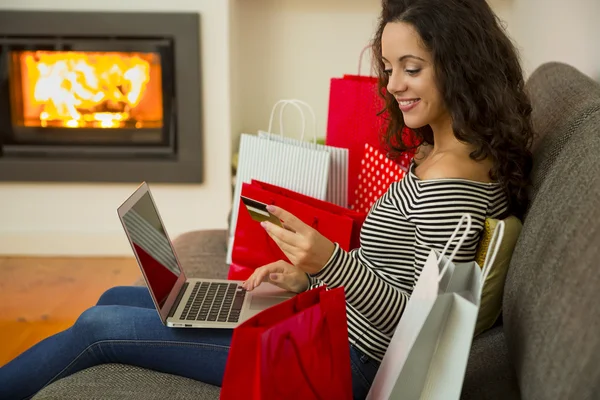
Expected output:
(112, 97)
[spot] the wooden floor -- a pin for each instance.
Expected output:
(42, 296)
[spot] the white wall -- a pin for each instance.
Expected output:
(81, 218)
(557, 30)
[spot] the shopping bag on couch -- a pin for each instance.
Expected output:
(358, 217)
(337, 183)
(297, 349)
(428, 354)
(253, 247)
(305, 170)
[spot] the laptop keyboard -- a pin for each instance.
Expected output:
(214, 302)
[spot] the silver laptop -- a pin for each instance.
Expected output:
(183, 302)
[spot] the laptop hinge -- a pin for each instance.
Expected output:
(178, 300)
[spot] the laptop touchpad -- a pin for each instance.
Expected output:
(264, 302)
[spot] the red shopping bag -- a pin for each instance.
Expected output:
(353, 120)
(297, 349)
(377, 173)
(253, 247)
(358, 218)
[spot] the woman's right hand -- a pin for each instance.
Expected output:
(279, 273)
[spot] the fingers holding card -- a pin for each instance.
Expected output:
(258, 211)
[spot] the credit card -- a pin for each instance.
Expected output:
(258, 211)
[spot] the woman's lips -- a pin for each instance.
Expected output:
(406, 106)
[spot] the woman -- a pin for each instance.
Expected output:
(450, 74)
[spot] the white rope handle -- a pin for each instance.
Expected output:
(310, 110)
(283, 104)
(467, 218)
(495, 243)
(360, 58)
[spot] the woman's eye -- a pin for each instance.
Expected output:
(412, 71)
(388, 72)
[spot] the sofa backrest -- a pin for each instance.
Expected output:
(552, 293)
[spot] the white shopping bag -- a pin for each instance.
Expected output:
(337, 183)
(304, 170)
(428, 354)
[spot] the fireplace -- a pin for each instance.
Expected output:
(110, 97)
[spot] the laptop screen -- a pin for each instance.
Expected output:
(152, 247)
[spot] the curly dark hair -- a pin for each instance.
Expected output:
(478, 72)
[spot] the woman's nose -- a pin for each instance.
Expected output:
(396, 83)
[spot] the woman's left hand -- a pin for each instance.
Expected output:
(305, 247)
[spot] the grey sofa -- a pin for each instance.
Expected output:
(548, 346)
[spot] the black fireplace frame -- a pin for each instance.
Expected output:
(186, 166)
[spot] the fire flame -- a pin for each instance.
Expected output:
(87, 88)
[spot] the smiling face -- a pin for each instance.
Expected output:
(411, 73)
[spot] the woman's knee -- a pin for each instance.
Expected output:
(98, 323)
(113, 296)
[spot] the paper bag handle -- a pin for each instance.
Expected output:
(495, 243)
(295, 102)
(466, 217)
(361, 56)
(284, 103)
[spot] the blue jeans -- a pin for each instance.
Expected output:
(124, 327)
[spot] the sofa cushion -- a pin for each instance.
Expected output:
(551, 318)
(118, 381)
(489, 373)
